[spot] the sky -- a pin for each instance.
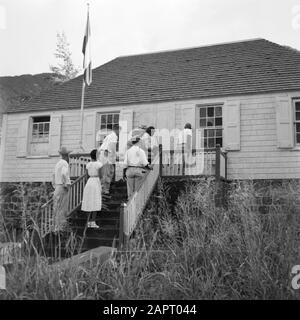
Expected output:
(28, 28)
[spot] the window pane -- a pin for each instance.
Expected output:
(219, 133)
(205, 133)
(109, 126)
(298, 127)
(103, 118)
(218, 112)
(297, 115)
(297, 105)
(219, 141)
(41, 119)
(202, 112)
(218, 121)
(210, 111)
(202, 123)
(210, 122)
(116, 118)
(46, 127)
(211, 142)
(298, 138)
(211, 133)
(109, 118)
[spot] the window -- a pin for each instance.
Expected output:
(297, 122)
(108, 120)
(211, 121)
(106, 123)
(40, 129)
(40, 135)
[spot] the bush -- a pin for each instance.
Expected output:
(191, 251)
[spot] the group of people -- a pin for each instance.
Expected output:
(101, 170)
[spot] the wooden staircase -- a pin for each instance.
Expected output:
(119, 216)
(79, 238)
(108, 220)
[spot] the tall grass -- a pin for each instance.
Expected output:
(191, 251)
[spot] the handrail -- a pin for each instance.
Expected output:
(131, 211)
(78, 163)
(75, 197)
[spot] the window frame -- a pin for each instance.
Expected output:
(295, 122)
(207, 128)
(106, 131)
(44, 123)
(38, 142)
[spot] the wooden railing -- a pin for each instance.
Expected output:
(208, 162)
(211, 162)
(196, 162)
(221, 164)
(47, 223)
(78, 163)
(132, 210)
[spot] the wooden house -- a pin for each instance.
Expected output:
(243, 96)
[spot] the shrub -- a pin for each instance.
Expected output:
(191, 251)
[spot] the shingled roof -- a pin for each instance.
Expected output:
(245, 67)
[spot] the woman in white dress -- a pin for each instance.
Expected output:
(92, 198)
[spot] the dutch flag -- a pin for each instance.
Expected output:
(86, 50)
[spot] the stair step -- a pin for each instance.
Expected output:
(102, 232)
(94, 243)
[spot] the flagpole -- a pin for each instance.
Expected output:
(82, 100)
(81, 114)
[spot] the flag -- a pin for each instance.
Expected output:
(86, 50)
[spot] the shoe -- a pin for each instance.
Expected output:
(94, 225)
(89, 224)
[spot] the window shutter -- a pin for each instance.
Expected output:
(284, 118)
(89, 134)
(22, 143)
(188, 115)
(55, 134)
(232, 136)
(126, 123)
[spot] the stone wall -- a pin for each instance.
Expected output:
(266, 193)
(276, 193)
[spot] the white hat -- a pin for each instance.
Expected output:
(64, 150)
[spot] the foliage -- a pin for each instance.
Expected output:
(65, 69)
(191, 251)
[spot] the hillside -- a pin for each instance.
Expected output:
(19, 89)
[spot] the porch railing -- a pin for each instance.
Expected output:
(132, 210)
(208, 162)
(170, 163)
(47, 223)
(78, 163)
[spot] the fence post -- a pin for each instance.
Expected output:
(160, 159)
(217, 176)
(121, 226)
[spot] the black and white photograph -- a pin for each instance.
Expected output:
(149, 151)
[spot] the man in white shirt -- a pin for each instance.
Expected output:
(184, 148)
(135, 164)
(149, 143)
(107, 154)
(61, 182)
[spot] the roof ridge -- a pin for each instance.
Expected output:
(190, 48)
